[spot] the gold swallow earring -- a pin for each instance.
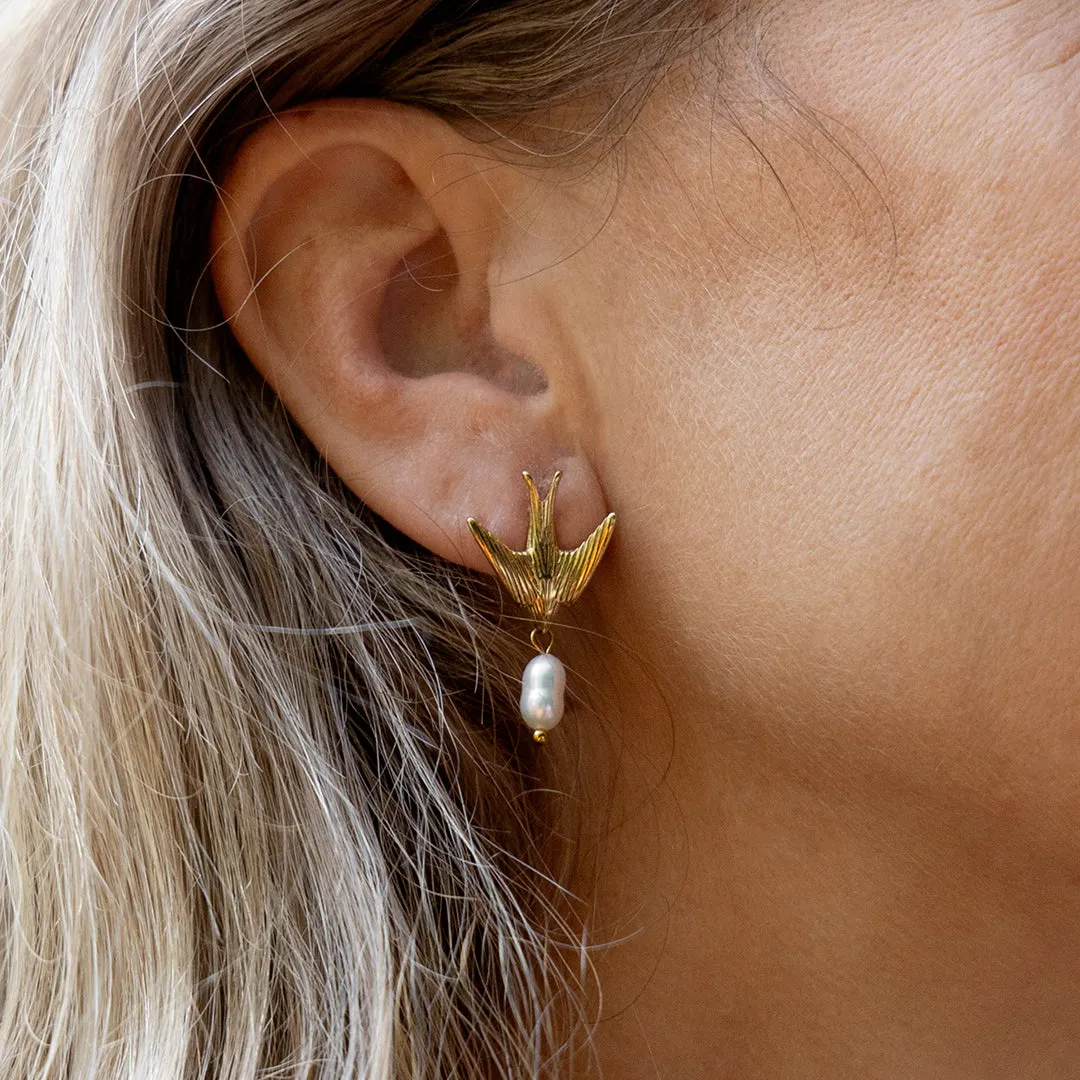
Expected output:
(540, 578)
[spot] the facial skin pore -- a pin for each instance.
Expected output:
(812, 334)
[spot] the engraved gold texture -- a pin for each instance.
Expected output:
(541, 578)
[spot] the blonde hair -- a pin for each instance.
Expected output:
(260, 811)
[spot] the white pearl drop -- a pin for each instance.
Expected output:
(543, 686)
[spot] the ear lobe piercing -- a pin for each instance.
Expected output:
(541, 578)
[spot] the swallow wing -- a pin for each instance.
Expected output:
(515, 568)
(574, 568)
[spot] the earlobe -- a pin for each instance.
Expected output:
(354, 247)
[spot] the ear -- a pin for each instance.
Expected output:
(356, 252)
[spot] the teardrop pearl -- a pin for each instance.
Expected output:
(543, 686)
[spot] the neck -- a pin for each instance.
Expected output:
(776, 908)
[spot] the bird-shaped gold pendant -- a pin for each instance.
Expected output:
(542, 578)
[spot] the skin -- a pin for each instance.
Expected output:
(818, 350)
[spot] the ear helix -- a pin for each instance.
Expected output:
(542, 578)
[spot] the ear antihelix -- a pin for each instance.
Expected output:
(541, 579)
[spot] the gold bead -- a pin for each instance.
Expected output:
(540, 736)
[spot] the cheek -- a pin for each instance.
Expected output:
(852, 485)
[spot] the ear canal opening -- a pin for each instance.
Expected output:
(426, 326)
(510, 372)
